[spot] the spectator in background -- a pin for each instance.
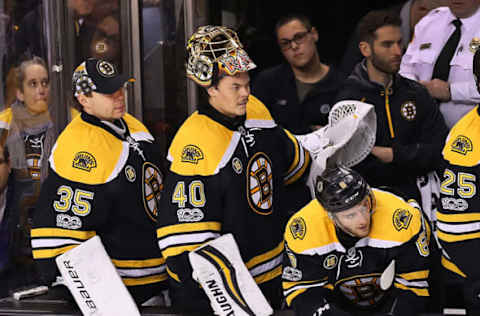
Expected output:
(27, 131)
(300, 92)
(440, 57)
(410, 128)
(410, 13)
(106, 40)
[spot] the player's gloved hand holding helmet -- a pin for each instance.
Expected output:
(213, 51)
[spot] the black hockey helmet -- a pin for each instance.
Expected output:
(340, 188)
(476, 67)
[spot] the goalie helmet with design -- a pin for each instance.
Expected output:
(213, 51)
(341, 188)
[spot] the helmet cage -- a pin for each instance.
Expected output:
(212, 50)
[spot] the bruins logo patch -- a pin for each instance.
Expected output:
(84, 161)
(237, 165)
(152, 189)
(401, 219)
(192, 154)
(298, 228)
(130, 173)
(260, 184)
(106, 69)
(408, 110)
(462, 145)
(330, 262)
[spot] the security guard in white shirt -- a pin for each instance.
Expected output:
(456, 92)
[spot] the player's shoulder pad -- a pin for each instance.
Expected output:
(311, 231)
(258, 115)
(6, 118)
(394, 220)
(89, 154)
(203, 146)
(461, 145)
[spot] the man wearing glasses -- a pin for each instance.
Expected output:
(299, 93)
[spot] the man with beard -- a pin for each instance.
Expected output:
(410, 128)
(440, 57)
(298, 93)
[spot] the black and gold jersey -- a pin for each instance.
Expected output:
(458, 217)
(229, 176)
(317, 265)
(104, 180)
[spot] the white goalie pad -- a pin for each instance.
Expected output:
(347, 139)
(219, 269)
(91, 277)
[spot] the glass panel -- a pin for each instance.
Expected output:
(97, 30)
(164, 93)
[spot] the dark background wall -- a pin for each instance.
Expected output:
(334, 20)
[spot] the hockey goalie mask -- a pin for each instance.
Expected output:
(213, 51)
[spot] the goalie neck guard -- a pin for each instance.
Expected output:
(340, 188)
(215, 50)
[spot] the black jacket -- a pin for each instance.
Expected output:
(277, 89)
(418, 128)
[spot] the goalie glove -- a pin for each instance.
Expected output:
(347, 139)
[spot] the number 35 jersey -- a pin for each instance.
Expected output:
(103, 181)
(229, 176)
(458, 217)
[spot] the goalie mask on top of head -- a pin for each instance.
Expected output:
(215, 50)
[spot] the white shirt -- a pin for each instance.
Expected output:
(431, 34)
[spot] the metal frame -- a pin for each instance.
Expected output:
(131, 54)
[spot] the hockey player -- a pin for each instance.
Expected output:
(339, 245)
(459, 215)
(104, 179)
(230, 167)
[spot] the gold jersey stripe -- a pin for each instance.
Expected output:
(294, 294)
(417, 275)
(266, 256)
(145, 280)
(51, 253)
(147, 263)
(187, 228)
(287, 284)
(272, 274)
(418, 292)
(454, 238)
(458, 218)
(59, 232)
(302, 170)
(297, 151)
(175, 251)
(447, 264)
(173, 275)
